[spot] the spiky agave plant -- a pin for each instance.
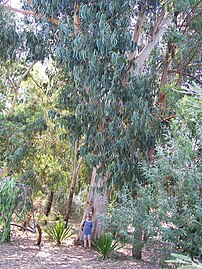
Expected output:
(58, 232)
(105, 245)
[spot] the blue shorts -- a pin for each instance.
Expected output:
(87, 236)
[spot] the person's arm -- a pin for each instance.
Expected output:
(82, 226)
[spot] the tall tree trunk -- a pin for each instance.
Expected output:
(97, 201)
(49, 203)
(96, 204)
(76, 167)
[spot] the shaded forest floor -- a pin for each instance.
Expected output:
(22, 253)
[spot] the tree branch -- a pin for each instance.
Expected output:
(137, 32)
(186, 20)
(76, 18)
(138, 25)
(32, 230)
(28, 12)
(159, 30)
(16, 89)
(186, 74)
(79, 165)
(25, 73)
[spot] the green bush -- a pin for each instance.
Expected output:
(58, 232)
(185, 262)
(105, 245)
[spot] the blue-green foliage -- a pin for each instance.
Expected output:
(166, 204)
(175, 179)
(9, 36)
(185, 262)
(17, 132)
(101, 100)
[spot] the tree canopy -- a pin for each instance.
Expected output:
(118, 74)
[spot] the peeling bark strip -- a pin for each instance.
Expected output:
(76, 17)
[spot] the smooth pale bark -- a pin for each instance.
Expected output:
(98, 200)
(96, 204)
(158, 31)
(144, 54)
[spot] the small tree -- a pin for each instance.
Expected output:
(175, 177)
(131, 217)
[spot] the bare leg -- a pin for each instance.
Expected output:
(89, 242)
(85, 243)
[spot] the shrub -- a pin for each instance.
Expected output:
(105, 245)
(58, 232)
(185, 262)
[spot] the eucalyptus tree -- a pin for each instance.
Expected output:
(111, 90)
(110, 106)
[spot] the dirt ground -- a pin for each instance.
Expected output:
(22, 253)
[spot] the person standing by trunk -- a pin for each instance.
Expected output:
(87, 231)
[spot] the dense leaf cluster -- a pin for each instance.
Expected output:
(107, 106)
